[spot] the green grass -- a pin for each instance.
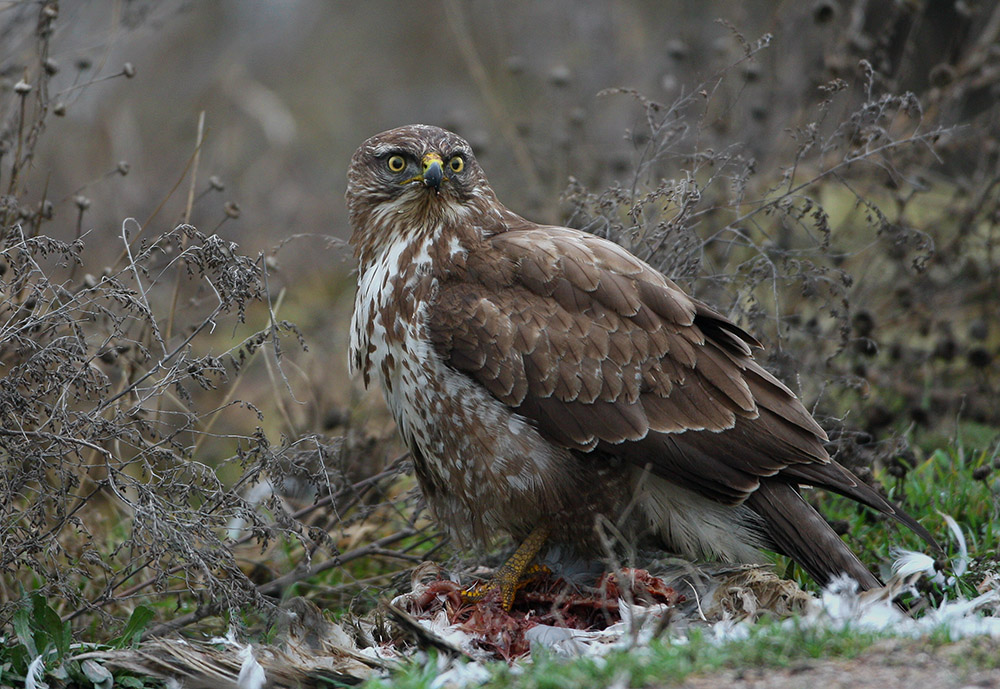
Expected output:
(39, 632)
(770, 644)
(947, 482)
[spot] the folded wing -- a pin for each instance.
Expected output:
(603, 353)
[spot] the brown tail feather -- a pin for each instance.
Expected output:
(836, 477)
(798, 531)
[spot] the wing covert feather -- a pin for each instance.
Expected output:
(597, 349)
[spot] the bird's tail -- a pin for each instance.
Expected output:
(795, 529)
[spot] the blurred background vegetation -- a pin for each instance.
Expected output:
(826, 172)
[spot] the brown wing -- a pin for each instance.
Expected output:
(597, 348)
(601, 352)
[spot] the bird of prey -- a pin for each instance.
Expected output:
(544, 378)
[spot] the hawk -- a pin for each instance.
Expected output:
(544, 378)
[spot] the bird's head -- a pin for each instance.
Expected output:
(413, 178)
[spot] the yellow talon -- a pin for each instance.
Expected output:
(511, 575)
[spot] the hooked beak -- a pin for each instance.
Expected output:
(433, 170)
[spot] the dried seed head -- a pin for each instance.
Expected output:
(751, 72)
(22, 88)
(824, 11)
(945, 348)
(232, 209)
(676, 49)
(982, 473)
(941, 75)
(216, 184)
(514, 64)
(980, 357)
(128, 70)
(50, 66)
(81, 201)
(560, 76)
(59, 109)
(123, 167)
(866, 346)
(864, 323)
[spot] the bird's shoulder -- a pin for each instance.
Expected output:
(545, 313)
(579, 271)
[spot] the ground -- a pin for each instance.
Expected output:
(892, 664)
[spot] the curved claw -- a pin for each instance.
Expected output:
(513, 574)
(506, 589)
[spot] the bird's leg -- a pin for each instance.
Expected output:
(509, 577)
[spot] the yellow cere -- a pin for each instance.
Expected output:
(431, 158)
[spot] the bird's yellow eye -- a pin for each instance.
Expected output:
(456, 164)
(396, 163)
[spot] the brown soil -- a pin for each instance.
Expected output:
(892, 664)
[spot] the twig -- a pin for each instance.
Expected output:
(461, 32)
(274, 586)
(392, 469)
(199, 139)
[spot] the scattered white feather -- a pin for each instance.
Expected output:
(573, 642)
(386, 652)
(453, 634)
(460, 674)
(256, 495)
(961, 563)
(33, 678)
(842, 605)
(728, 630)
(638, 625)
(910, 562)
(229, 639)
(558, 640)
(251, 673)
(964, 617)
